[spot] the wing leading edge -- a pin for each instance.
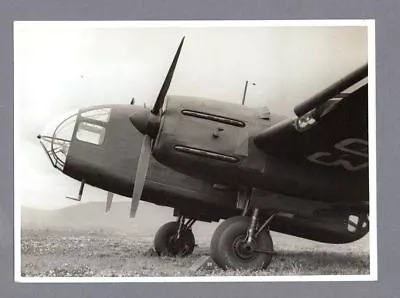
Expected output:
(331, 130)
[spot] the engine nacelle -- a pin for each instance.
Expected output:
(198, 135)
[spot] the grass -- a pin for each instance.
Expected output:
(104, 254)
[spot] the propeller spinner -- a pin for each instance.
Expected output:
(148, 122)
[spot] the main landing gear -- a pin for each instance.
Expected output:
(239, 243)
(175, 238)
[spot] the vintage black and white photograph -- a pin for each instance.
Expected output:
(195, 151)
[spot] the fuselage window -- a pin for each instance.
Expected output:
(102, 115)
(90, 133)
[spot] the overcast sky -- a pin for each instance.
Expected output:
(65, 66)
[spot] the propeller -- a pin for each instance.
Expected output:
(148, 123)
(141, 172)
(110, 196)
(167, 82)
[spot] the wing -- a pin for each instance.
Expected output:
(331, 129)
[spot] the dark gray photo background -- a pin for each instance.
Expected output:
(386, 14)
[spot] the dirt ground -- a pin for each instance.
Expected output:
(47, 253)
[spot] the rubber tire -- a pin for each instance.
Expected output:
(162, 245)
(222, 246)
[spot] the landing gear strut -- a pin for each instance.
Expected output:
(175, 238)
(238, 244)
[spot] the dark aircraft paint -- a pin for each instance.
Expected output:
(241, 160)
(111, 166)
(208, 159)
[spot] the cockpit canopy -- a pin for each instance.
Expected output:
(57, 136)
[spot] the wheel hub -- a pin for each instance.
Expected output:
(178, 246)
(244, 250)
(174, 244)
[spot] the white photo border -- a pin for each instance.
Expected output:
(373, 252)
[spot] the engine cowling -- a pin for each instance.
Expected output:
(197, 135)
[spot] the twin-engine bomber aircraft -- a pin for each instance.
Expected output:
(212, 160)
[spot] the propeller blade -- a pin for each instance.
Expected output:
(167, 82)
(141, 173)
(110, 197)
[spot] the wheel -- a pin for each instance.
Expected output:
(165, 242)
(230, 251)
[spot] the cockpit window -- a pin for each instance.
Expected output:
(102, 115)
(90, 133)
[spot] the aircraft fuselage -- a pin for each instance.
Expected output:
(104, 153)
(213, 140)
